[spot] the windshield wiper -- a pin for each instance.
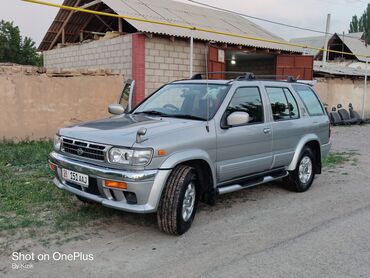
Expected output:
(187, 116)
(153, 112)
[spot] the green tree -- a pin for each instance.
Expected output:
(14, 48)
(354, 26)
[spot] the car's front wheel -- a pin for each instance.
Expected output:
(179, 201)
(301, 179)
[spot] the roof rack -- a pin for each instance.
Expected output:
(248, 76)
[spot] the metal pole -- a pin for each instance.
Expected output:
(326, 39)
(191, 53)
(365, 91)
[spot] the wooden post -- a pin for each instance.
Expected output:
(120, 27)
(63, 36)
(81, 36)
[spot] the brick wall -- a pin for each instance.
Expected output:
(167, 60)
(114, 54)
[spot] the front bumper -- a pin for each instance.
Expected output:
(147, 185)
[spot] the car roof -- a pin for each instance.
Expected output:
(233, 81)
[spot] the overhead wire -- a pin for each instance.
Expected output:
(194, 28)
(266, 20)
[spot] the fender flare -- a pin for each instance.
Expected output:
(298, 150)
(193, 154)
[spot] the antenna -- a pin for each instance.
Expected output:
(206, 54)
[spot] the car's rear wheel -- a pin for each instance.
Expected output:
(179, 201)
(301, 179)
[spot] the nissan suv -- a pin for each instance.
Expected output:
(191, 141)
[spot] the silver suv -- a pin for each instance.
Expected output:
(191, 141)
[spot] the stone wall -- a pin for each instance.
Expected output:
(35, 106)
(113, 54)
(335, 91)
(167, 60)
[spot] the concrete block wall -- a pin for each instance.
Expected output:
(167, 60)
(113, 54)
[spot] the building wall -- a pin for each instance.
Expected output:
(113, 54)
(167, 60)
(335, 91)
(35, 106)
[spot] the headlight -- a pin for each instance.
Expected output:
(57, 142)
(130, 157)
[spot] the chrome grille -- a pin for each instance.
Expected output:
(83, 149)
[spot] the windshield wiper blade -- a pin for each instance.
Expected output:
(153, 112)
(188, 116)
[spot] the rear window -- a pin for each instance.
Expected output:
(310, 100)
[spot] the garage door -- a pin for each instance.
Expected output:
(298, 66)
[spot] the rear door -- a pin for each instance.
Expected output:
(287, 126)
(244, 150)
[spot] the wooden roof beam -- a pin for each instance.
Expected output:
(63, 26)
(88, 5)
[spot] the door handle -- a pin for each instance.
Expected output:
(267, 130)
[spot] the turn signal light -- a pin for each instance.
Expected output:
(115, 184)
(52, 167)
(162, 152)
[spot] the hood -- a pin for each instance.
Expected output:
(121, 130)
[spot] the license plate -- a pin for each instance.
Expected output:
(75, 177)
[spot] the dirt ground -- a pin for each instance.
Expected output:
(261, 232)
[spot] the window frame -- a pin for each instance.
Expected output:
(223, 118)
(316, 96)
(295, 99)
(227, 85)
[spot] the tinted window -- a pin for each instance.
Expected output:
(247, 99)
(283, 104)
(292, 104)
(310, 100)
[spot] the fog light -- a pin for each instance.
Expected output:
(52, 167)
(130, 198)
(115, 184)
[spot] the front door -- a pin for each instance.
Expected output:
(247, 149)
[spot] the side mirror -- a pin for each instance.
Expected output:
(237, 118)
(116, 109)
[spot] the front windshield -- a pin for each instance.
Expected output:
(195, 101)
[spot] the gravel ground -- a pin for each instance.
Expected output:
(261, 232)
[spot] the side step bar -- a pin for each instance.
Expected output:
(236, 187)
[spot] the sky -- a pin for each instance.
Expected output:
(34, 20)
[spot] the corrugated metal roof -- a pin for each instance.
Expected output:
(357, 46)
(196, 16)
(337, 69)
(353, 41)
(318, 42)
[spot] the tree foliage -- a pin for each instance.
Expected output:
(14, 48)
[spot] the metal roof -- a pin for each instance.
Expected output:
(318, 42)
(170, 12)
(196, 16)
(357, 46)
(337, 69)
(353, 41)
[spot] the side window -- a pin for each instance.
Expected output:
(283, 104)
(310, 100)
(292, 104)
(247, 99)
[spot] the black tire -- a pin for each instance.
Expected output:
(293, 181)
(84, 200)
(169, 214)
